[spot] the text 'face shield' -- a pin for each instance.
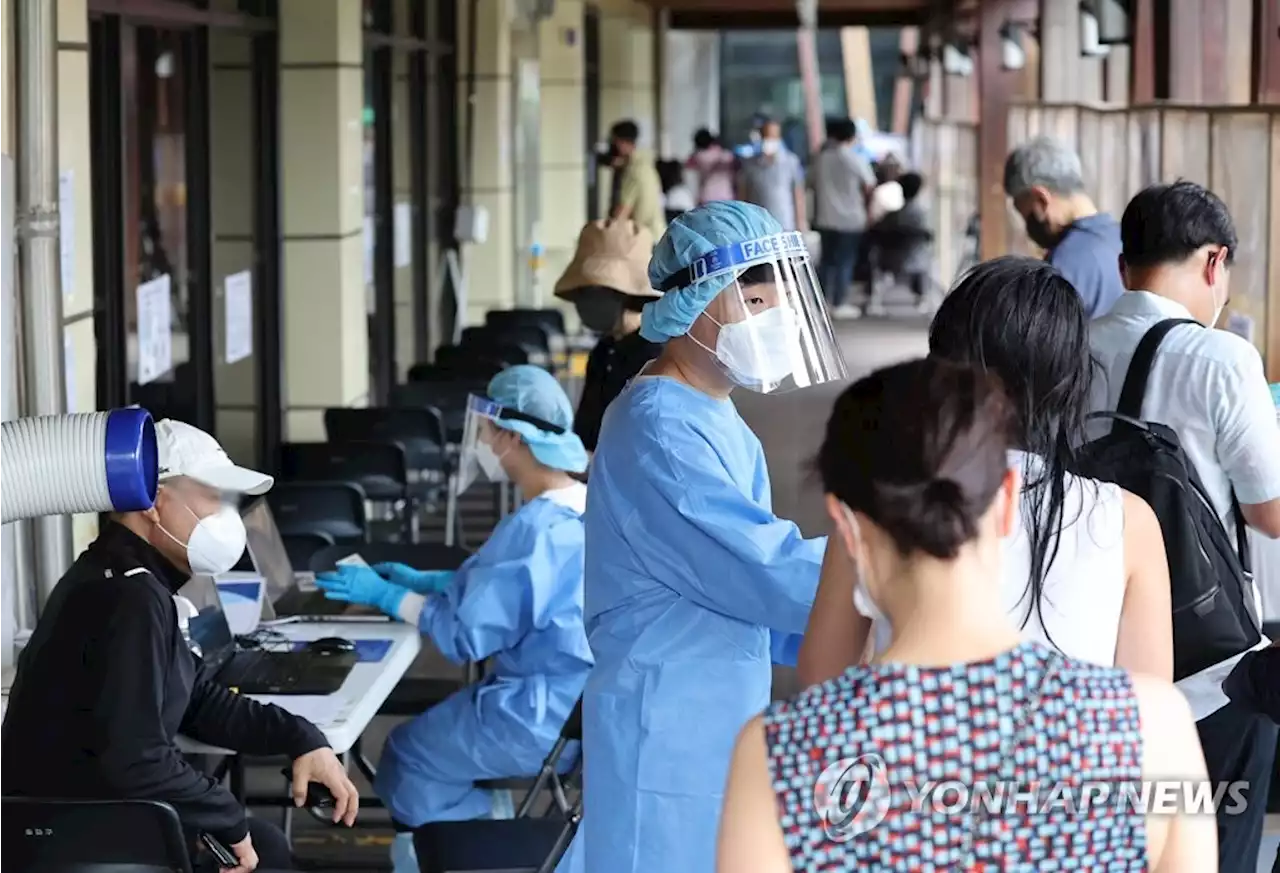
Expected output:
(775, 333)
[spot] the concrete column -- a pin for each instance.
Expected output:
(489, 266)
(859, 83)
(326, 344)
(232, 184)
(627, 79)
(563, 128)
(1066, 77)
(74, 163)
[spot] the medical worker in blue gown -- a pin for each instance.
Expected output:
(692, 582)
(518, 601)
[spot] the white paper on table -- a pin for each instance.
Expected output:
(155, 337)
(404, 234)
(67, 231)
(238, 291)
(243, 613)
(321, 711)
(69, 368)
(351, 561)
(1203, 690)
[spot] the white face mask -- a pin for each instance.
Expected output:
(771, 146)
(216, 543)
(491, 462)
(862, 599)
(757, 351)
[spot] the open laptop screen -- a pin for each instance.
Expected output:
(209, 627)
(267, 550)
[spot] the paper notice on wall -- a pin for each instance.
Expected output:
(404, 234)
(155, 338)
(1240, 324)
(69, 370)
(238, 297)
(67, 231)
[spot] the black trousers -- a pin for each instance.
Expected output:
(269, 842)
(1240, 746)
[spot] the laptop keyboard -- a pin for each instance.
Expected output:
(299, 602)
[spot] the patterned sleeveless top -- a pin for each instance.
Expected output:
(942, 746)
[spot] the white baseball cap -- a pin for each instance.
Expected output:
(188, 451)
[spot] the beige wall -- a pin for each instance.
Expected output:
(326, 337)
(563, 146)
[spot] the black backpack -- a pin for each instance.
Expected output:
(1214, 614)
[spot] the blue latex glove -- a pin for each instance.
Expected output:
(364, 586)
(417, 581)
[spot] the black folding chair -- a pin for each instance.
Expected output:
(92, 836)
(550, 320)
(418, 430)
(530, 337)
(484, 342)
(456, 363)
(377, 467)
(335, 509)
(301, 546)
(521, 845)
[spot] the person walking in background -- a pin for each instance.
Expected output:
(714, 166)
(842, 181)
(1045, 180)
(901, 247)
(637, 190)
(915, 466)
(774, 180)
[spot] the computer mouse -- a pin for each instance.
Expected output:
(331, 646)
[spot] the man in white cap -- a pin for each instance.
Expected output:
(107, 681)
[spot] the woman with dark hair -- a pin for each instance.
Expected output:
(848, 775)
(1082, 572)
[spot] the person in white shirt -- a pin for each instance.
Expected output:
(1079, 571)
(1209, 387)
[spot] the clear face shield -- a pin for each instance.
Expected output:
(480, 459)
(774, 331)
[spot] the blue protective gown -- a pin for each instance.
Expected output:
(688, 569)
(519, 601)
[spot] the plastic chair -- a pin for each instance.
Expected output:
(419, 430)
(550, 320)
(483, 342)
(448, 399)
(335, 509)
(301, 546)
(458, 363)
(377, 467)
(520, 845)
(92, 836)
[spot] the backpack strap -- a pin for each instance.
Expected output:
(1134, 391)
(1135, 378)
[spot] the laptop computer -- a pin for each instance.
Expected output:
(283, 596)
(257, 671)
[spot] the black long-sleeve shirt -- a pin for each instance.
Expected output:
(610, 366)
(107, 682)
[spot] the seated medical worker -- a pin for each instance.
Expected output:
(518, 601)
(107, 681)
(688, 569)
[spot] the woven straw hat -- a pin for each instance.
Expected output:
(613, 254)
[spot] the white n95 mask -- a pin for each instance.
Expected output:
(758, 350)
(863, 602)
(490, 462)
(216, 542)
